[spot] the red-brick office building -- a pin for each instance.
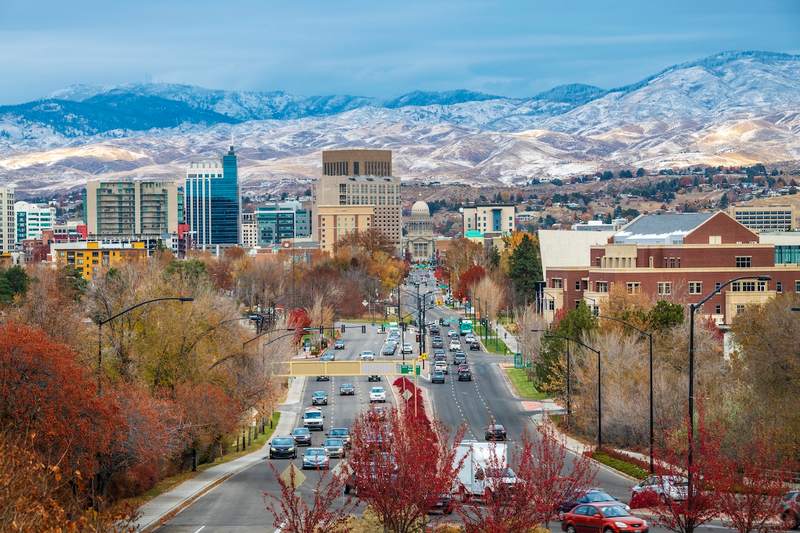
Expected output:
(679, 257)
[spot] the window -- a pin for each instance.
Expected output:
(633, 287)
(664, 288)
(739, 308)
(718, 309)
(578, 303)
(601, 286)
(577, 284)
(717, 286)
(557, 283)
(743, 261)
(797, 286)
(779, 286)
(695, 287)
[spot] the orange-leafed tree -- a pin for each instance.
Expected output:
(299, 320)
(467, 280)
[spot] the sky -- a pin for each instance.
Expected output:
(373, 48)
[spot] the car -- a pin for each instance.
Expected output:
(434, 329)
(602, 517)
(338, 345)
(444, 322)
(314, 419)
(588, 496)
(454, 346)
(407, 349)
(367, 355)
(373, 377)
(323, 378)
(377, 394)
(452, 334)
(319, 397)
(475, 345)
(437, 342)
(438, 351)
(328, 356)
(347, 389)
(334, 447)
(340, 433)
(437, 377)
(459, 358)
(443, 504)
(464, 373)
(790, 509)
(316, 458)
(301, 436)
(441, 366)
(495, 432)
(377, 411)
(663, 487)
(282, 448)
(389, 348)
(469, 337)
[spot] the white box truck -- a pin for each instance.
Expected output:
(484, 468)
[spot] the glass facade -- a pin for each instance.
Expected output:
(213, 202)
(274, 225)
(788, 254)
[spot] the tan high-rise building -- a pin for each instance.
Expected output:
(336, 221)
(8, 220)
(361, 178)
(132, 207)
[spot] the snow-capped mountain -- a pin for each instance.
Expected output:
(730, 108)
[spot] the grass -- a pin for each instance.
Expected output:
(493, 344)
(171, 482)
(524, 388)
(615, 462)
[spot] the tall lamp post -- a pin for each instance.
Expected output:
(102, 322)
(599, 381)
(690, 453)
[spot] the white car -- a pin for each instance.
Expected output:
(671, 487)
(314, 419)
(455, 346)
(366, 355)
(441, 366)
(377, 394)
(407, 348)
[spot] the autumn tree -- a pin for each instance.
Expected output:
(467, 280)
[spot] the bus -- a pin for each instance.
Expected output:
(464, 326)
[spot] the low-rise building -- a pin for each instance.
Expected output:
(488, 220)
(760, 218)
(92, 257)
(680, 257)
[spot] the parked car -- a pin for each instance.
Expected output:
(437, 377)
(464, 373)
(314, 419)
(790, 509)
(334, 447)
(495, 432)
(282, 448)
(605, 517)
(664, 487)
(588, 496)
(316, 458)
(319, 397)
(301, 436)
(441, 366)
(373, 378)
(377, 394)
(340, 433)
(338, 345)
(328, 356)
(367, 355)
(347, 389)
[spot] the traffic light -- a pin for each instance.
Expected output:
(363, 329)
(417, 337)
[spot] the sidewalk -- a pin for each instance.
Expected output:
(166, 505)
(508, 338)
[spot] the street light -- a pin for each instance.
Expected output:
(599, 381)
(649, 335)
(692, 309)
(102, 322)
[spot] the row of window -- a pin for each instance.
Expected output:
(664, 288)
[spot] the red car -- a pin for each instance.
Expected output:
(602, 518)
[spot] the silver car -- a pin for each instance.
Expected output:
(335, 447)
(317, 459)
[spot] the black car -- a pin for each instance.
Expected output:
(373, 378)
(475, 345)
(437, 377)
(495, 432)
(437, 342)
(459, 358)
(338, 345)
(282, 448)
(323, 378)
(589, 496)
(464, 373)
(347, 389)
(434, 329)
(301, 436)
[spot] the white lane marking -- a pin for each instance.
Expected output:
(201, 528)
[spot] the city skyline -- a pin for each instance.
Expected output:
(516, 49)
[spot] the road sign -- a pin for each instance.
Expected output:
(423, 356)
(407, 394)
(292, 474)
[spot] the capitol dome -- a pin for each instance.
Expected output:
(420, 209)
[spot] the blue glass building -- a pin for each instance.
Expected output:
(213, 202)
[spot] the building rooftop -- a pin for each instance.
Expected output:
(660, 228)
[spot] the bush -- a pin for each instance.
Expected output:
(619, 461)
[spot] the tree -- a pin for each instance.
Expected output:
(401, 466)
(299, 320)
(551, 365)
(640, 172)
(467, 280)
(723, 201)
(489, 296)
(544, 479)
(665, 315)
(294, 513)
(18, 280)
(525, 268)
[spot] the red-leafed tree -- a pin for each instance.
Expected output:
(299, 320)
(751, 487)
(295, 512)
(546, 475)
(467, 280)
(400, 466)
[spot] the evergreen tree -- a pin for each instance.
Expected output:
(525, 268)
(640, 172)
(18, 279)
(723, 201)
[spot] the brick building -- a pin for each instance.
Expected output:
(679, 257)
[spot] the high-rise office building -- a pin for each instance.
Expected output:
(213, 202)
(8, 221)
(32, 219)
(337, 221)
(122, 209)
(361, 178)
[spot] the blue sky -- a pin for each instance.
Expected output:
(375, 48)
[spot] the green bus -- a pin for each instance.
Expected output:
(464, 326)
